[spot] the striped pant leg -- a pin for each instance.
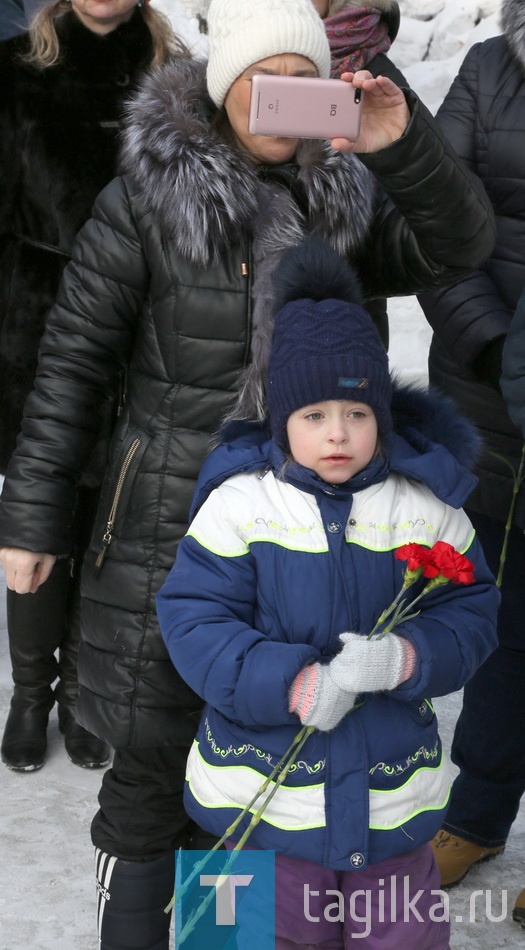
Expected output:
(131, 898)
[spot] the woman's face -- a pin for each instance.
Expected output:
(103, 16)
(266, 149)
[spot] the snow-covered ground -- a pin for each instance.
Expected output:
(47, 893)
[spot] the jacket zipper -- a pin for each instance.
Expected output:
(108, 535)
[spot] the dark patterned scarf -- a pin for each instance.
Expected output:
(355, 36)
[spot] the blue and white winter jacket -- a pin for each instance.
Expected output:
(272, 570)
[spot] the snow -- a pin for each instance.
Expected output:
(47, 891)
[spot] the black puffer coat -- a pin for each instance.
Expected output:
(173, 274)
(382, 65)
(58, 148)
(513, 368)
(484, 117)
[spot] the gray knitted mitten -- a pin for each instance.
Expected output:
(317, 700)
(322, 694)
(368, 666)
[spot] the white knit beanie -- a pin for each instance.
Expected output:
(242, 32)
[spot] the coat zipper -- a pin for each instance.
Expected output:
(247, 271)
(108, 535)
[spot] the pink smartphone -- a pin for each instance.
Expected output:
(299, 107)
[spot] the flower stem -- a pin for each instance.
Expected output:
(284, 763)
(304, 734)
(518, 479)
(388, 611)
(294, 749)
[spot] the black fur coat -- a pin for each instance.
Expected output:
(58, 148)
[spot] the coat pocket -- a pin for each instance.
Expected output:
(131, 452)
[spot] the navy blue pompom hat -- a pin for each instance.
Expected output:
(325, 344)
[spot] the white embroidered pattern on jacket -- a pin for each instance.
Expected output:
(247, 747)
(283, 528)
(395, 526)
(429, 755)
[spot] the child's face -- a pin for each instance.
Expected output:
(336, 439)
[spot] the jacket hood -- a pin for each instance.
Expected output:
(513, 25)
(207, 193)
(431, 443)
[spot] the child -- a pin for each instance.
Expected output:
(286, 567)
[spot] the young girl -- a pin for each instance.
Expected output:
(285, 569)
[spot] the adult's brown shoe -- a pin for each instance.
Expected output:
(455, 856)
(518, 913)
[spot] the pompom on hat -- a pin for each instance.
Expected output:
(324, 345)
(242, 32)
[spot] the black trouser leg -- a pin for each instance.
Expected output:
(141, 824)
(132, 897)
(487, 745)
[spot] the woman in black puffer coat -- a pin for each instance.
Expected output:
(62, 92)
(173, 277)
(484, 118)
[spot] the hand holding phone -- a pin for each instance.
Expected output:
(299, 107)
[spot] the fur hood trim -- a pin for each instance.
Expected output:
(513, 25)
(420, 416)
(431, 443)
(206, 192)
(429, 415)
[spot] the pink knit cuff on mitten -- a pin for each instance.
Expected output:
(408, 660)
(303, 690)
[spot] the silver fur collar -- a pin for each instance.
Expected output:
(513, 25)
(205, 192)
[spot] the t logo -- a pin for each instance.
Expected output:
(225, 895)
(224, 899)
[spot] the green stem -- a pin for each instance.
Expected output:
(283, 761)
(407, 612)
(388, 610)
(295, 748)
(203, 906)
(518, 479)
(306, 732)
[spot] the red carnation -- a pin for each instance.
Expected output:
(415, 554)
(444, 560)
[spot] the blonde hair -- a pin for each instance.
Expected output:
(45, 45)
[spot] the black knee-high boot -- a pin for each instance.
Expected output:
(35, 624)
(132, 896)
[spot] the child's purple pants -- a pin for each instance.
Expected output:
(388, 906)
